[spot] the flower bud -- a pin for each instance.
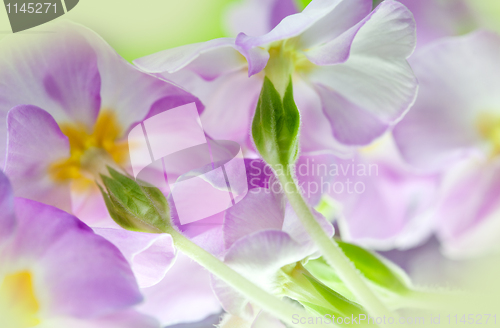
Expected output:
(135, 206)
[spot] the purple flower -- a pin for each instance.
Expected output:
(454, 128)
(437, 19)
(262, 234)
(56, 272)
(68, 102)
(72, 100)
(351, 78)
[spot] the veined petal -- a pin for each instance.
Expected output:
(261, 209)
(376, 78)
(55, 71)
(460, 79)
(149, 255)
(208, 59)
(316, 131)
(96, 281)
(126, 90)
(35, 143)
(346, 14)
(258, 257)
(179, 298)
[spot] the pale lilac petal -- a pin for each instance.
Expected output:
(55, 71)
(124, 89)
(384, 204)
(316, 131)
(258, 17)
(313, 175)
(208, 59)
(292, 25)
(230, 105)
(7, 216)
(35, 143)
(261, 209)
(459, 81)
(296, 230)
(351, 124)
(345, 15)
(258, 257)
(468, 214)
(376, 78)
(76, 273)
(149, 255)
(184, 295)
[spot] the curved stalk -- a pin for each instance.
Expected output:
(282, 310)
(330, 250)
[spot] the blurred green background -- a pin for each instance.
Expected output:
(139, 28)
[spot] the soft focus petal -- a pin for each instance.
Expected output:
(257, 17)
(468, 215)
(124, 89)
(149, 255)
(384, 204)
(261, 209)
(54, 71)
(35, 142)
(437, 19)
(459, 79)
(181, 297)
(258, 257)
(7, 215)
(76, 273)
(316, 131)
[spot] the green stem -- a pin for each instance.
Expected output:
(330, 250)
(286, 312)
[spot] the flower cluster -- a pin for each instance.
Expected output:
(362, 129)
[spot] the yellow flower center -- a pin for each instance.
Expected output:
(90, 151)
(18, 304)
(489, 128)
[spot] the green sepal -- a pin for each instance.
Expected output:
(339, 303)
(376, 269)
(275, 126)
(134, 206)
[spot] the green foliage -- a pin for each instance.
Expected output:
(133, 206)
(377, 270)
(275, 126)
(339, 303)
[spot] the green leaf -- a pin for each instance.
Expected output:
(134, 206)
(379, 271)
(338, 302)
(275, 126)
(376, 269)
